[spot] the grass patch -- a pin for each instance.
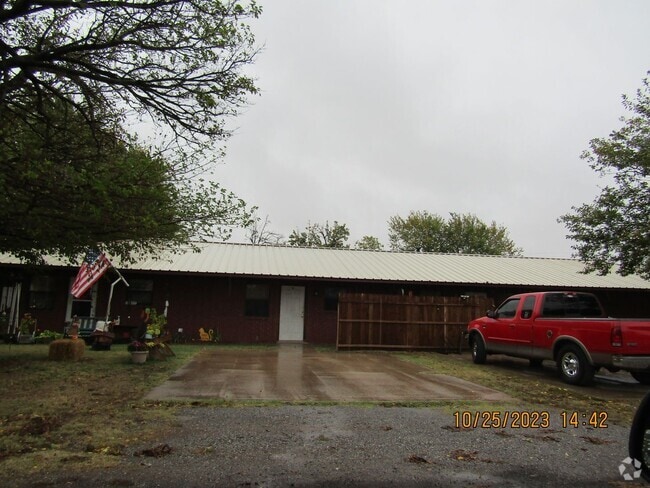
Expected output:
(239, 347)
(71, 415)
(529, 392)
(67, 414)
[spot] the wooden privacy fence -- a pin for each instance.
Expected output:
(407, 322)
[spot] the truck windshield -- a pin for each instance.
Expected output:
(571, 305)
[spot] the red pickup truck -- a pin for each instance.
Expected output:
(567, 327)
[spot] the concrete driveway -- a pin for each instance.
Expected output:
(302, 373)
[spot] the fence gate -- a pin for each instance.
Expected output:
(406, 322)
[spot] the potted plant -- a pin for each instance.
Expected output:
(156, 325)
(139, 351)
(155, 350)
(26, 329)
(47, 336)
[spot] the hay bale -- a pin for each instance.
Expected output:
(67, 349)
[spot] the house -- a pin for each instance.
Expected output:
(265, 294)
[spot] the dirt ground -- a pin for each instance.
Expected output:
(345, 446)
(363, 445)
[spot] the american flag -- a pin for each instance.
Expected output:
(93, 267)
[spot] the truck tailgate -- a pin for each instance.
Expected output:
(636, 336)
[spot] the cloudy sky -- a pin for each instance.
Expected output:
(374, 108)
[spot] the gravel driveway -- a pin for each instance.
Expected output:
(363, 446)
(330, 446)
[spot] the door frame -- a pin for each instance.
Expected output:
(93, 301)
(292, 314)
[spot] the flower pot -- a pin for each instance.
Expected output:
(157, 353)
(25, 339)
(139, 357)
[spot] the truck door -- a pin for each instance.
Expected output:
(498, 332)
(522, 328)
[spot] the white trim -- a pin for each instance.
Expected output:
(292, 314)
(93, 301)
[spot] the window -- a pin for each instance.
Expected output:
(257, 301)
(139, 292)
(41, 293)
(508, 309)
(571, 305)
(84, 306)
(81, 307)
(331, 298)
(527, 307)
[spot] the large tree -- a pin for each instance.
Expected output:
(369, 243)
(467, 234)
(178, 62)
(613, 232)
(321, 235)
(461, 233)
(75, 78)
(62, 195)
(258, 232)
(420, 231)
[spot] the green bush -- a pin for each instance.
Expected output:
(46, 336)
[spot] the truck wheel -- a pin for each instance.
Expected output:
(642, 377)
(573, 366)
(478, 350)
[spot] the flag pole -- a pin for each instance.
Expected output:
(110, 296)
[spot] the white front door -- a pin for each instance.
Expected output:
(292, 313)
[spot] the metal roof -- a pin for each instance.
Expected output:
(380, 266)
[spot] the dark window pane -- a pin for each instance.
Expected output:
(527, 308)
(508, 309)
(331, 298)
(571, 305)
(41, 293)
(80, 308)
(139, 292)
(257, 301)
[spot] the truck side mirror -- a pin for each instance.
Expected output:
(639, 443)
(492, 314)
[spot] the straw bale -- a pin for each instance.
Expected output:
(67, 349)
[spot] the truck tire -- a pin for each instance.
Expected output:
(479, 355)
(573, 366)
(642, 377)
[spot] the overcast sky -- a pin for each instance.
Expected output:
(370, 109)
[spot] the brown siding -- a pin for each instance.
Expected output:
(320, 324)
(52, 318)
(205, 302)
(217, 302)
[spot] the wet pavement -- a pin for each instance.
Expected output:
(296, 372)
